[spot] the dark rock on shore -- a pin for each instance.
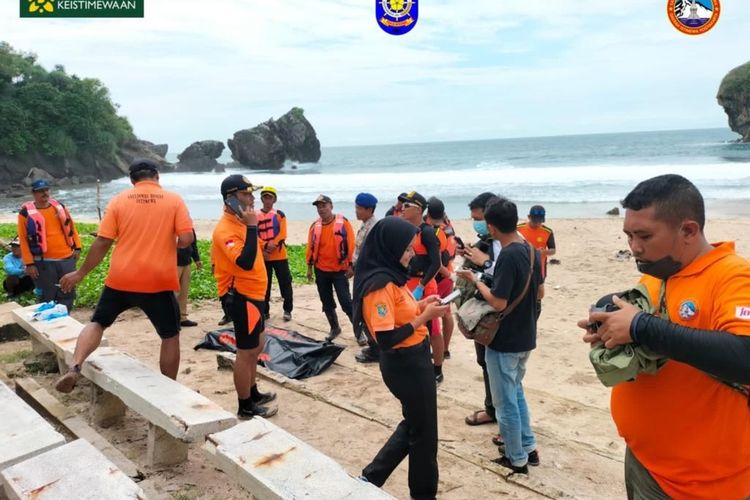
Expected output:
(734, 97)
(201, 157)
(269, 144)
(82, 169)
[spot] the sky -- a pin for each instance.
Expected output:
(195, 69)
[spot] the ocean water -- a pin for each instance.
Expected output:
(572, 176)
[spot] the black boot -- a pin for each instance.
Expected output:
(333, 320)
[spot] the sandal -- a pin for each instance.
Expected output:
(473, 419)
(497, 440)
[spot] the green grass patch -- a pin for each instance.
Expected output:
(14, 357)
(202, 284)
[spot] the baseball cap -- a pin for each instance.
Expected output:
(415, 198)
(537, 212)
(270, 190)
(143, 164)
(322, 199)
(237, 182)
(366, 200)
(435, 208)
(15, 242)
(39, 184)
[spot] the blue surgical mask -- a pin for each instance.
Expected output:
(480, 227)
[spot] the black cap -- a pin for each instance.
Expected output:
(322, 199)
(143, 164)
(537, 212)
(235, 183)
(415, 198)
(435, 208)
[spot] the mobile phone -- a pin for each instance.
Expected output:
(459, 242)
(234, 205)
(450, 297)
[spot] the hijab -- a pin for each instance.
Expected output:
(379, 261)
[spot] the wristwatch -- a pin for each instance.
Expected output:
(487, 264)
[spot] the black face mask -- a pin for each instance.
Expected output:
(662, 268)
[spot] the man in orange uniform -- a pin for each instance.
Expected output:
(149, 224)
(687, 427)
(272, 233)
(423, 268)
(330, 246)
(241, 278)
(538, 234)
(50, 245)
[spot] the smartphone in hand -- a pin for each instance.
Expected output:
(450, 297)
(459, 242)
(234, 205)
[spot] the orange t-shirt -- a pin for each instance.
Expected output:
(144, 222)
(328, 254)
(279, 239)
(57, 247)
(689, 430)
(227, 243)
(539, 237)
(390, 307)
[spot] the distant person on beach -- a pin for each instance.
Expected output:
(241, 279)
(148, 224)
(490, 248)
(364, 207)
(540, 236)
(515, 284)
(397, 209)
(272, 233)
(396, 320)
(330, 246)
(50, 245)
(437, 218)
(16, 280)
(687, 426)
(185, 258)
(424, 266)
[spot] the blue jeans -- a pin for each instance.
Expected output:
(506, 371)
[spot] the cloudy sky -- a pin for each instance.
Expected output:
(470, 69)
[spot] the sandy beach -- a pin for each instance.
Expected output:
(347, 412)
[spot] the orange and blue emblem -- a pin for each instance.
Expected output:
(693, 17)
(396, 17)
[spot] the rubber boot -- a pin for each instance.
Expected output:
(333, 320)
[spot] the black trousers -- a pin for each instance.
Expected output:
(488, 407)
(409, 376)
(327, 282)
(284, 277)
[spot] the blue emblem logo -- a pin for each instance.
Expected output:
(396, 17)
(382, 310)
(688, 310)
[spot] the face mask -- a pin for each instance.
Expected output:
(662, 268)
(480, 227)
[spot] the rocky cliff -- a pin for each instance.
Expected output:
(734, 97)
(269, 144)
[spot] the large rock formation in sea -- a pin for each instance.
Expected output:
(734, 97)
(269, 144)
(19, 171)
(200, 156)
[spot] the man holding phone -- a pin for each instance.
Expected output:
(241, 279)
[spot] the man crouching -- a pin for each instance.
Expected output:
(241, 278)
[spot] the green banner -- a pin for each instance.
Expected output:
(81, 8)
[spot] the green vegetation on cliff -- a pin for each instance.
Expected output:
(736, 82)
(53, 113)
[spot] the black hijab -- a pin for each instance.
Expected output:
(379, 260)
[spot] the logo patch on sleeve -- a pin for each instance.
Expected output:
(382, 310)
(229, 243)
(743, 312)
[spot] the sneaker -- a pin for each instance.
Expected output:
(505, 462)
(223, 321)
(265, 397)
(439, 378)
(447, 355)
(333, 334)
(366, 356)
(256, 410)
(533, 455)
(188, 322)
(67, 382)
(287, 316)
(362, 341)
